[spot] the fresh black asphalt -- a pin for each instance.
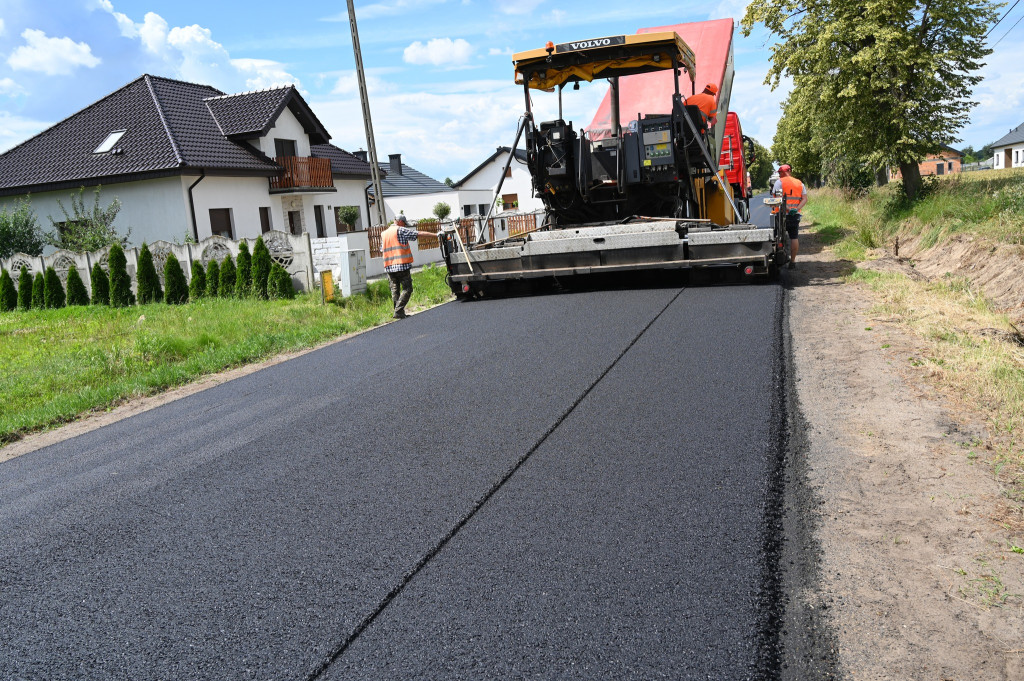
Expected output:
(561, 486)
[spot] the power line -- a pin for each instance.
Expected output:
(1008, 32)
(1007, 12)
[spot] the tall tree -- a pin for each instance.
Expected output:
(894, 77)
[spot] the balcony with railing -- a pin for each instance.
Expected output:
(302, 174)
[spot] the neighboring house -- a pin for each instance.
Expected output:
(947, 162)
(407, 190)
(187, 160)
(1009, 149)
(477, 189)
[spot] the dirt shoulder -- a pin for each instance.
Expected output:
(918, 575)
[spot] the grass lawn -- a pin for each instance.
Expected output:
(58, 364)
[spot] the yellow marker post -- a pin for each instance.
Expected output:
(326, 286)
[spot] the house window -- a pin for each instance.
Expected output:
(284, 148)
(265, 224)
(108, 144)
(510, 201)
(220, 222)
(949, 166)
(318, 215)
(482, 209)
(508, 172)
(939, 168)
(467, 210)
(295, 222)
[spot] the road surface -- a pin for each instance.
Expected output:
(564, 486)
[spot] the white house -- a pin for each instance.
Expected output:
(477, 189)
(187, 160)
(407, 190)
(1009, 149)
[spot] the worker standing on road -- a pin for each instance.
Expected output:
(705, 101)
(398, 261)
(795, 196)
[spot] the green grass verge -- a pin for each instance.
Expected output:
(59, 364)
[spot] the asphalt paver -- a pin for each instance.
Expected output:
(249, 531)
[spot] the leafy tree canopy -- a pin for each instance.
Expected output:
(19, 231)
(892, 78)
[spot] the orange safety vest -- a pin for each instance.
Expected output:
(792, 188)
(393, 250)
(704, 102)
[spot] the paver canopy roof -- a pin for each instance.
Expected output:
(170, 127)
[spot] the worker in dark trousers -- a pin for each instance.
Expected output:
(398, 261)
(795, 196)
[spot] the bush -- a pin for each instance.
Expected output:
(212, 279)
(120, 283)
(174, 277)
(260, 268)
(197, 287)
(8, 296)
(100, 286)
(442, 210)
(228, 274)
(281, 281)
(243, 277)
(77, 294)
(147, 280)
(53, 290)
(38, 289)
(25, 289)
(19, 231)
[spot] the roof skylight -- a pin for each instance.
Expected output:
(109, 143)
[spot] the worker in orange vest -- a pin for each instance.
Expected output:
(398, 261)
(795, 197)
(705, 101)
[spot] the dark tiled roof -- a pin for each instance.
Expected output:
(342, 162)
(169, 129)
(1013, 137)
(520, 155)
(409, 183)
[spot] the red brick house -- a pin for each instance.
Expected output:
(946, 162)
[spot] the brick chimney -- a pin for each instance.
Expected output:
(361, 155)
(395, 163)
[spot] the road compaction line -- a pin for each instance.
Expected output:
(430, 554)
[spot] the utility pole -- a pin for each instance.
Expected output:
(378, 194)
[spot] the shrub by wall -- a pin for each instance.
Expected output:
(243, 277)
(212, 279)
(100, 286)
(197, 287)
(24, 289)
(280, 283)
(77, 293)
(227, 277)
(53, 290)
(8, 295)
(174, 277)
(120, 283)
(147, 280)
(260, 268)
(38, 302)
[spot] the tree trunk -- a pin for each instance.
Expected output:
(882, 176)
(911, 179)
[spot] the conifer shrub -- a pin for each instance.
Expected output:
(280, 283)
(100, 286)
(243, 276)
(147, 280)
(77, 293)
(197, 287)
(227, 277)
(53, 290)
(260, 268)
(212, 279)
(120, 283)
(8, 294)
(174, 277)
(25, 289)
(38, 288)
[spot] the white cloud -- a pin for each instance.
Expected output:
(263, 73)
(15, 129)
(499, 51)
(52, 56)
(999, 96)
(10, 88)
(555, 16)
(348, 84)
(439, 52)
(518, 6)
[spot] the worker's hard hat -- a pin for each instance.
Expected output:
(784, 168)
(712, 88)
(400, 219)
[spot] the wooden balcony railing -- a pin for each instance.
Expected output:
(301, 172)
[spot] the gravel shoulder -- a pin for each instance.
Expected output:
(916, 575)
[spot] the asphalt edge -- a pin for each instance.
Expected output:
(807, 643)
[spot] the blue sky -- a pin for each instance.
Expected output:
(439, 70)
